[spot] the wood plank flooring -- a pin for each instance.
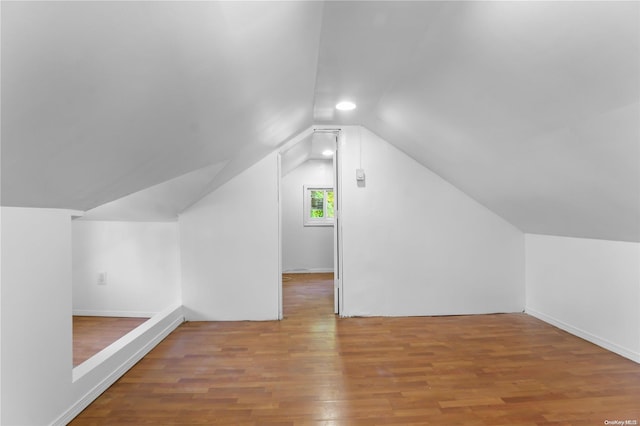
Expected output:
(313, 368)
(93, 334)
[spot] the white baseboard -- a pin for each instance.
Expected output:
(118, 372)
(308, 271)
(121, 314)
(604, 343)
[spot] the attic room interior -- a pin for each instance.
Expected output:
(462, 246)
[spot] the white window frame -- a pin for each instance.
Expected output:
(306, 200)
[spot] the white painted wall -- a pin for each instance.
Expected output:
(142, 263)
(1, 275)
(1, 315)
(36, 311)
(588, 287)
(229, 248)
(305, 248)
(36, 361)
(415, 245)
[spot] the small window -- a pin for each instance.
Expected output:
(318, 206)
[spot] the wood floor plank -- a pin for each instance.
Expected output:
(313, 368)
(92, 334)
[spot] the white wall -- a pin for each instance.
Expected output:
(415, 245)
(588, 287)
(1, 275)
(229, 249)
(36, 311)
(141, 260)
(36, 361)
(1, 257)
(305, 248)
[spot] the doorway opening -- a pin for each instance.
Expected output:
(309, 204)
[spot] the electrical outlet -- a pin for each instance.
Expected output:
(102, 278)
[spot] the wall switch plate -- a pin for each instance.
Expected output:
(360, 175)
(102, 278)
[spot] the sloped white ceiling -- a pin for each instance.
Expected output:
(532, 108)
(103, 99)
(159, 203)
(295, 156)
(311, 147)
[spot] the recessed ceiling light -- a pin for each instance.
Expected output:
(327, 153)
(345, 106)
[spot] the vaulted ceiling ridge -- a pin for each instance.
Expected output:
(522, 105)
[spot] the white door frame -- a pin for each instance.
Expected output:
(337, 228)
(280, 313)
(338, 295)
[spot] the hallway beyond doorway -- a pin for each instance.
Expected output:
(308, 295)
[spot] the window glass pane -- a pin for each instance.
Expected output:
(317, 203)
(330, 204)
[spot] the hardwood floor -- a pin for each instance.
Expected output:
(93, 334)
(315, 369)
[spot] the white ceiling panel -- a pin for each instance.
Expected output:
(102, 99)
(531, 108)
(159, 203)
(363, 47)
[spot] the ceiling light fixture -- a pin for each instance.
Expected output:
(327, 153)
(345, 106)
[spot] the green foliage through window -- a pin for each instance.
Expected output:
(330, 204)
(317, 203)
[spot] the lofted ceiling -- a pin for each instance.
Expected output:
(310, 146)
(103, 99)
(531, 108)
(160, 203)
